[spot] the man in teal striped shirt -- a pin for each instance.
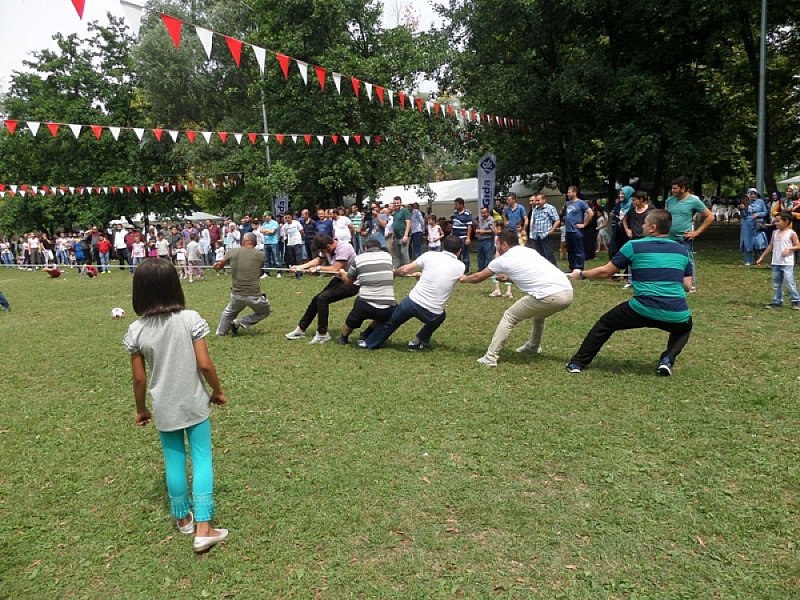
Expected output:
(661, 273)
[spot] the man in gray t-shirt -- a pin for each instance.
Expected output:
(246, 263)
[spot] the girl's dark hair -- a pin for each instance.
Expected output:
(156, 288)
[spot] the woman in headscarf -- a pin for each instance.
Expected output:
(752, 238)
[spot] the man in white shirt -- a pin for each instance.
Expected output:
(547, 291)
(426, 301)
(121, 247)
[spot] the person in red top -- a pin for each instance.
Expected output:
(104, 252)
(215, 234)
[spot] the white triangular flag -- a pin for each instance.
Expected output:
(303, 66)
(391, 97)
(346, 139)
(139, 131)
(261, 55)
(22, 193)
(238, 138)
(13, 187)
(265, 136)
(321, 139)
(173, 134)
(206, 136)
(294, 138)
(76, 130)
(2, 194)
(368, 87)
(337, 79)
(35, 188)
(105, 190)
(34, 127)
(115, 132)
(71, 189)
(150, 189)
(206, 38)
(133, 14)
(428, 105)
(368, 138)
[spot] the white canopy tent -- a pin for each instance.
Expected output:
(790, 181)
(203, 216)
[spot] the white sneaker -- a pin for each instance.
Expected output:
(508, 294)
(201, 544)
(296, 334)
(264, 276)
(526, 348)
(320, 338)
(487, 362)
(278, 276)
(627, 286)
(496, 294)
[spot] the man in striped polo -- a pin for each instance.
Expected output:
(373, 271)
(661, 271)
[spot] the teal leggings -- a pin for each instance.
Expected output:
(174, 449)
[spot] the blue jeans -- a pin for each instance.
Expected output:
(485, 252)
(575, 252)
(271, 256)
(416, 244)
(784, 275)
(174, 449)
(402, 313)
(465, 254)
(689, 245)
(104, 257)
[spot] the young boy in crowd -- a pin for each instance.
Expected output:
(783, 246)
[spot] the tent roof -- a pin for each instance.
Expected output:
(204, 216)
(790, 181)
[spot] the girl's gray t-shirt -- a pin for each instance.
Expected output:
(180, 398)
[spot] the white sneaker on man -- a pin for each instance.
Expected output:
(296, 334)
(320, 338)
(487, 362)
(527, 348)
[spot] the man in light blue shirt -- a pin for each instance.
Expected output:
(270, 230)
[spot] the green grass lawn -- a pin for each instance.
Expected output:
(347, 473)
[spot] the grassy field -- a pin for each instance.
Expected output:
(389, 474)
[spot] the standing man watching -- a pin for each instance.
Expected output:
(578, 215)
(514, 215)
(426, 301)
(270, 230)
(401, 227)
(683, 206)
(245, 264)
(485, 234)
(544, 222)
(661, 271)
(121, 247)
(418, 224)
(546, 291)
(462, 229)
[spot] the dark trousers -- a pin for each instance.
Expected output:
(623, 317)
(122, 257)
(543, 247)
(416, 245)
(485, 252)
(403, 312)
(319, 306)
(575, 254)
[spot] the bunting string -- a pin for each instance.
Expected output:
(309, 139)
(224, 182)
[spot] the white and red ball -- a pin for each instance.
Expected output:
(117, 313)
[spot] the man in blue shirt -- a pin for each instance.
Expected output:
(578, 215)
(462, 229)
(270, 231)
(514, 215)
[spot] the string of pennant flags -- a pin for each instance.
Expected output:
(174, 25)
(14, 125)
(224, 182)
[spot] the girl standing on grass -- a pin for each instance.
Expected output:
(171, 340)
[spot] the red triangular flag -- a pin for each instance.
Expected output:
(357, 138)
(335, 138)
(402, 96)
(450, 109)
(173, 26)
(283, 60)
(436, 107)
(127, 189)
(279, 137)
(158, 133)
(252, 137)
(113, 189)
(419, 104)
(235, 47)
(356, 85)
(307, 138)
(377, 139)
(379, 92)
(53, 127)
(2, 187)
(320, 71)
(11, 126)
(24, 187)
(191, 134)
(97, 130)
(78, 4)
(223, 135)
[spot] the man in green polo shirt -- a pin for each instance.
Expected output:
(683, 206)
(661, 273)
(401, 226)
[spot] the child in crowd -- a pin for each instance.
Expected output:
(435, 234)
(77, 249)
(194, 258)
(137, 251)
(496, 293)
(783, 246)
(603, 236)
(104, 251)
(171, 341)
(219, 254)
(181, 261)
